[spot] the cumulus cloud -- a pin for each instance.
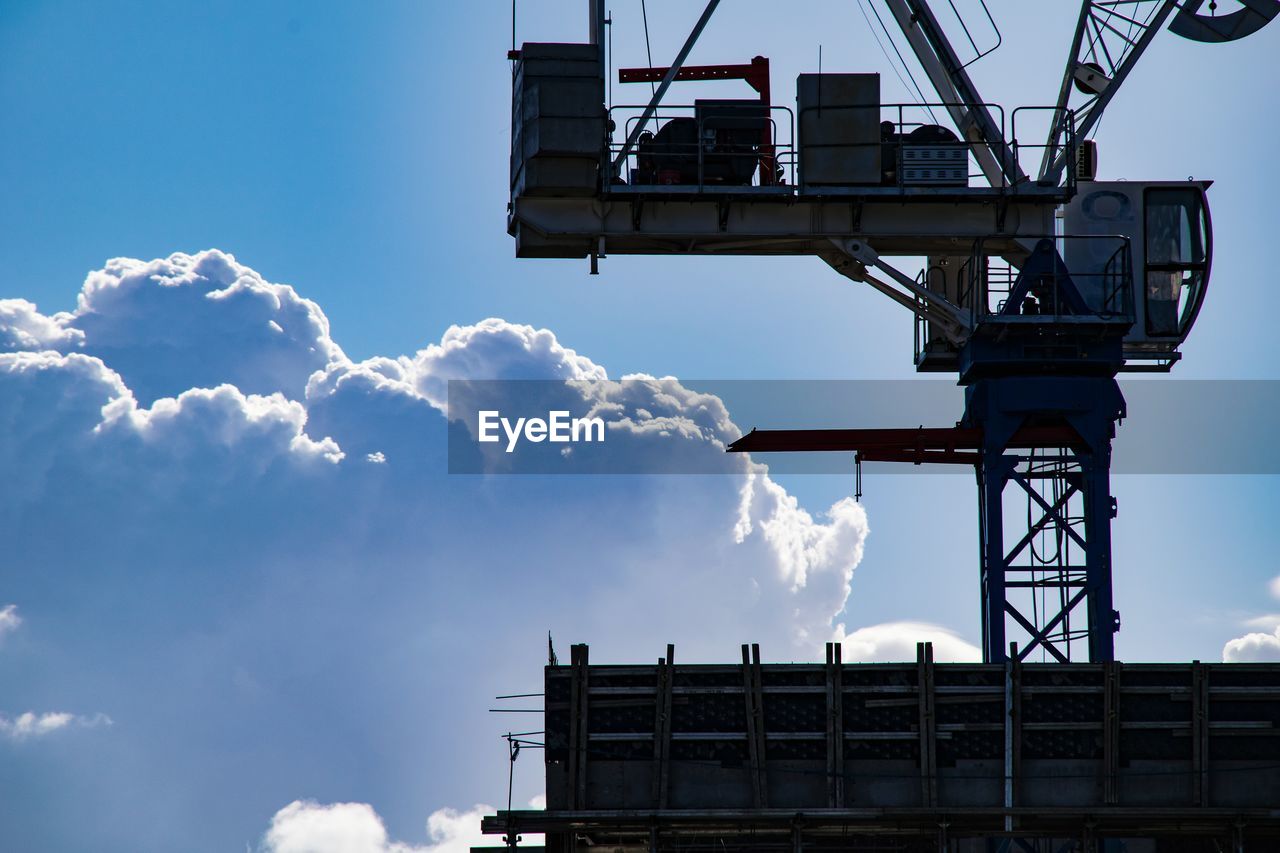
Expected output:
(9, 619)
(654, 423)
(454, 831)
(185, 321)
(304, 826)
(254, 425)
(896, 642)
(71, 416)
(495, 349)
(221, 510)
(23, 327)
(385, 408)
(1253, 647)
(814, 559)
(1260, 645)
(31, 725)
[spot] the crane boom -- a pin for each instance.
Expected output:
(1110, 37)
(1102, 55)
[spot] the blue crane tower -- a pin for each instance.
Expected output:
(1040, 284)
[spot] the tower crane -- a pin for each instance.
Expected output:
(1038, 289)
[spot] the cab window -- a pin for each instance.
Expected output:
(1176, 258)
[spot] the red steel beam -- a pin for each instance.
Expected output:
(755, 73)
(922, 457)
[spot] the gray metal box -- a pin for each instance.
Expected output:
(559, 137)
(555, 176)
(557, 120)
(839, 117)
(560, 97)
(558, 59)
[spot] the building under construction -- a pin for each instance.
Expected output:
(907, 757)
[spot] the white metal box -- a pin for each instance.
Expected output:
(935, 164)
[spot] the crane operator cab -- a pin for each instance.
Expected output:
(1117, 288)
(1171, 244)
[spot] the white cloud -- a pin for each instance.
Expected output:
(1253, 647)
(174, 323)
(9, 619)
(896, 641)
(805, 562)
(814, 560)
(1259, 645)
(186, 321)
(223, 417)
(496, 349)
(31, 724)
(23, 327)
(1265, 622)
(74, 412)
(310, 544)
(305, 826)
(453, 831)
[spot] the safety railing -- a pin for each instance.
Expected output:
(1057, 117)
(737, 145)
(1098, 286)
(917, 149)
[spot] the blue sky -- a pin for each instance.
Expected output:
(235, 620)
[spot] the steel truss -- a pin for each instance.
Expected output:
(1044, 577)
(1110, 37)
(1051, 438)
(1069, 508)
